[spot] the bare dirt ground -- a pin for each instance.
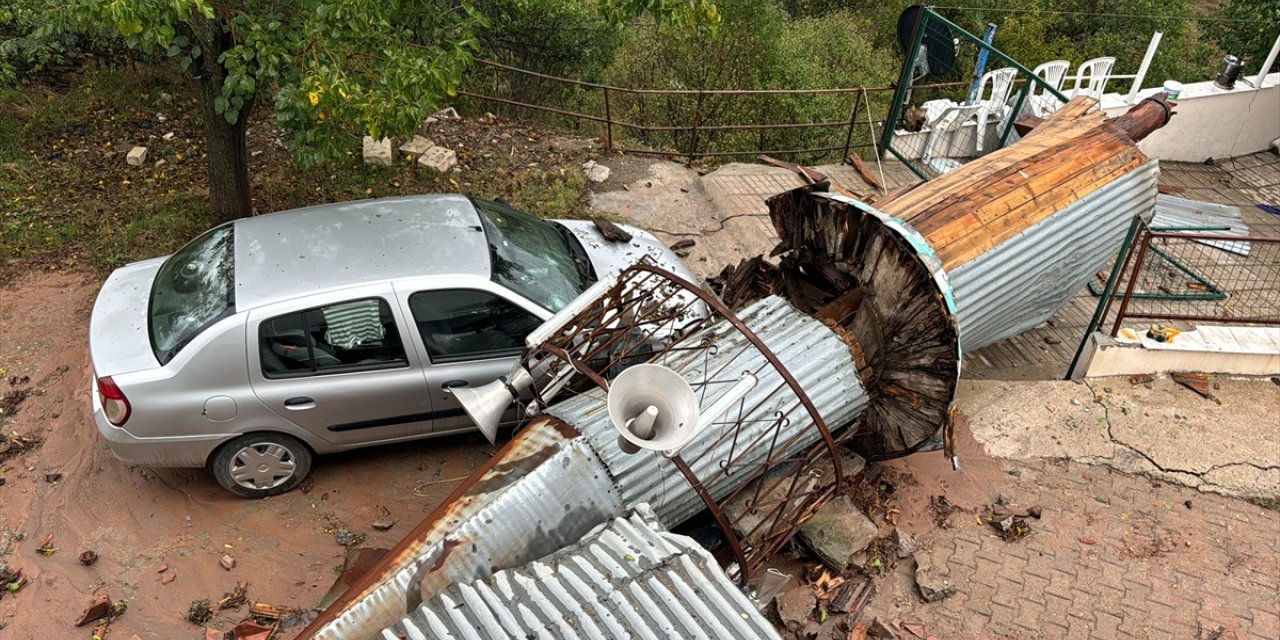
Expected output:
(139, 520)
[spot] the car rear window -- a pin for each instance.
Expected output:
(194, 288)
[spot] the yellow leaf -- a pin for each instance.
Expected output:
(314, 97)
(452, 91)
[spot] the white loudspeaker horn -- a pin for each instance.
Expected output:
(654, 408)
(485, 405)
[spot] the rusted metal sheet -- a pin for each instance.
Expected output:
(544, 490)
(816, 356)
(1028, 278)
(626, 579)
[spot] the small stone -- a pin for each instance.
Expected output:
(1035, 512)
(168, 578)
(796, 605)
(137, 156)
(227, 562)
(122, 147)
(906, 544)
(88, 557)
(683, 247)
(378, 152)
(934, 585)
(383, 524)
(1187, 504)
(52, 477)
(596, 172)
(162, 568)
(161, 162)
(439, 158)
(416, 147)
(1051, 340)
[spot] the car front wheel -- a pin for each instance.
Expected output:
(261, 464)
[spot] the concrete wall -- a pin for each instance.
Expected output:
(1212, 122)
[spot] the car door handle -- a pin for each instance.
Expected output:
(453, 383)
(299, 402)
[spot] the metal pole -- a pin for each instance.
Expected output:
(981, 68)
(608, 122)
(904, 82)
(1146, 64)
(1099, 312)
(1133, 282)
(1013, 115)
(1266, 66)
(697, 118)
(933, 15)
(853, 119)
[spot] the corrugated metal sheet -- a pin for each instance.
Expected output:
(818, 359)
(1182, 214)
(1025, 280)
(626, 579)
(541, 495)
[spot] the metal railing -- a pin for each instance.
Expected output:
(695, 138)
(1177, 278)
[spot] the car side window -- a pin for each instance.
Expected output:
(464, 324)
(358, 335)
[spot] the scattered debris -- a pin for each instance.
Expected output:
(914, 628)
(9, 402)
(595, 172)
(227, 562)
(439, 159)
(852, 596)
(378, 152)
(355, 564)
(838, 531)
(11, 580)
(46, 548)
(611, 231)
(796, 605)
(934, 584)
(416, 147)
(865, 173)
(235, 598)
(136, 156)
(100, 608)
(250, 630)
(1010, 528)
(52, 477)
(168, 578)
(384, 521)
(1197, 382)
(347, 537)
(682, 247)
(447, 113)
(942, 510)
(905, 544)
(199, 612)
(88, 557)
(880, 630)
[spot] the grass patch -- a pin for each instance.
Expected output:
(68, 199)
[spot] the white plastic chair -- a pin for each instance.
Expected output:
(995, 102)
(946, 126)
(1041, 102)
(1093, 75)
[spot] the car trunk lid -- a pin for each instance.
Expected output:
(118, 338)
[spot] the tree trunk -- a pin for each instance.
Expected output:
(224, 142)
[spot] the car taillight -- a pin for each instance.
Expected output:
(114, 405)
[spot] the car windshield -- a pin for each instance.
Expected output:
(194, 288)
(530, 257)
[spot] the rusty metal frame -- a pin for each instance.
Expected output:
(597, 341)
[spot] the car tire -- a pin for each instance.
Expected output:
(258, 465)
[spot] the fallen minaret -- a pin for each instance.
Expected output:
(859, 345)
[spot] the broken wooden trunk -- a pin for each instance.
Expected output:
(972, 257)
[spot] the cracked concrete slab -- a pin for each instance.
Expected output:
(1163, 430)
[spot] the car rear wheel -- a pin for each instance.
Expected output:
(261, 464)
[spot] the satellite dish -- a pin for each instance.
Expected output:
(937, 46)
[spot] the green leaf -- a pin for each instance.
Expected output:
(219, 104)
(173, 50)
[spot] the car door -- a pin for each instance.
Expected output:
(340, 368)
(469, 335)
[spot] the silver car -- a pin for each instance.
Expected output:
(270, 339)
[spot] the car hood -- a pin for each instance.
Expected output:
(118, 338)
(609, 258)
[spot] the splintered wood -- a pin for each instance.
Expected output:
(974, 209)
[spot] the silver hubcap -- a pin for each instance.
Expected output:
(262, 466)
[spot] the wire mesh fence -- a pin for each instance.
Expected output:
(1178, 279)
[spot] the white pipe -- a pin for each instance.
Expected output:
(1146, 64)
(1266, 66)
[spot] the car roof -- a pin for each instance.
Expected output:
(299, 252)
